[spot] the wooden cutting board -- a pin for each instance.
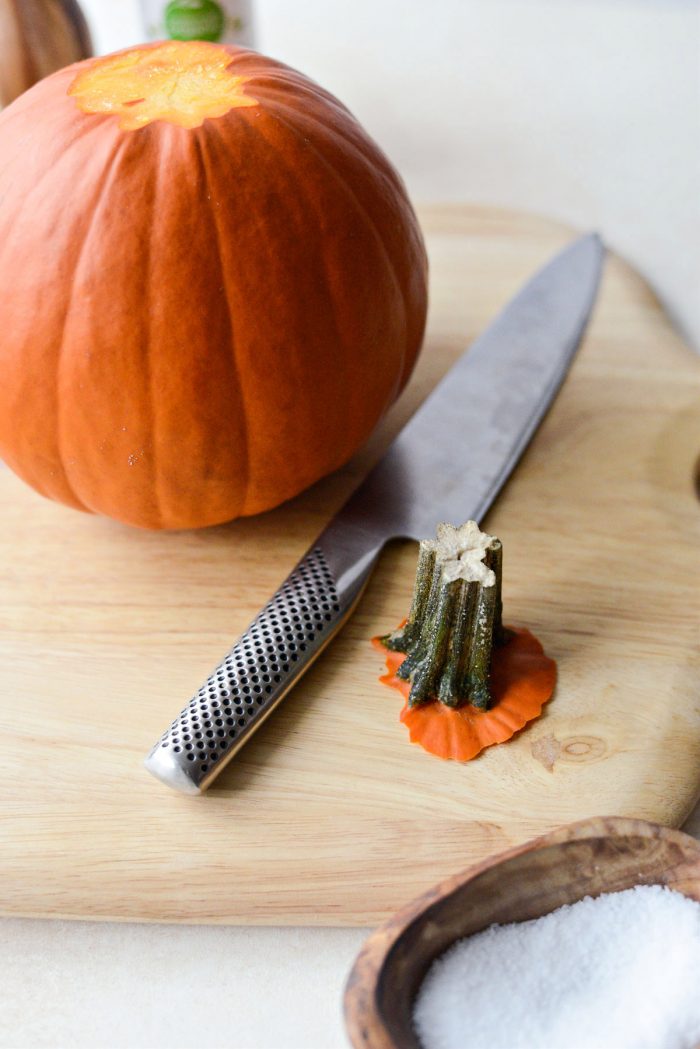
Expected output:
(329, 816)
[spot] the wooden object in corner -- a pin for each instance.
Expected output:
(583, 859)
(38, 37)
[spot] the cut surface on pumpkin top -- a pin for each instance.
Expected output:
(182, 82)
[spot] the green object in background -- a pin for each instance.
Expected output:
(195, 20)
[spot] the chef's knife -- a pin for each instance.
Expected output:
(447, 464)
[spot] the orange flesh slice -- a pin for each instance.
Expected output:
(522, 680)
(183, 82)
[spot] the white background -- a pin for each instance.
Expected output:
(585, 110)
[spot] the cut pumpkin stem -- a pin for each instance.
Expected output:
(453, 660)
(455, 619)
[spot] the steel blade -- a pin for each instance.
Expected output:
(453, 456)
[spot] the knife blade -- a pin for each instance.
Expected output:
(447, 464)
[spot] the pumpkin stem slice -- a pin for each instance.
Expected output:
(469, 681)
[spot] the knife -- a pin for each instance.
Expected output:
(447, 464)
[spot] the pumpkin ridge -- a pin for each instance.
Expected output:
(373, 225)
(267, 71)
(102, 190)
(268, 91)
(25, 205)
(272, 77)
(245, 457)
(381, 173)
(342, 457)
(13, 113)
(356, 143)
(147, 365)
(50, 168)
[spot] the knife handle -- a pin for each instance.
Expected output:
(279, 645)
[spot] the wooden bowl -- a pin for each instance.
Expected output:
(582, 859)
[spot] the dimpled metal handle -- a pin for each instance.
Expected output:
(279, 645)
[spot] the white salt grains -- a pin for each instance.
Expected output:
(621, 971)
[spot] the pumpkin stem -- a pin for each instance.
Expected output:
(455, 619)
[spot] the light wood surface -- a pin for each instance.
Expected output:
(329, 816)
(586, 859)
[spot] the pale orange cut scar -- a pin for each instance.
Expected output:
(183, 82)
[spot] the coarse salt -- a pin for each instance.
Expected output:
(621, 971)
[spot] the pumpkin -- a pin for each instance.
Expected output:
(213, 285)
(36, 38)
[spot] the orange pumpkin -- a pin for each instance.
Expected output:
(213, 285)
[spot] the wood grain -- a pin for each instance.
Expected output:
(586, 859)
(330, 816)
